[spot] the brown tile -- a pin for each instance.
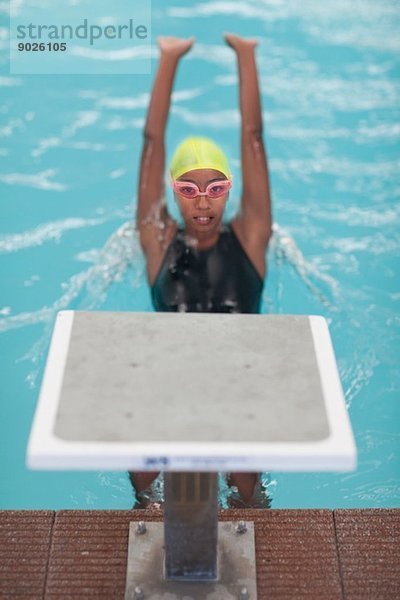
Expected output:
(24, 552)
(369, 552)
(296, 553)
(89, 553)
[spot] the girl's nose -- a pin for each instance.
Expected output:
(202, 200)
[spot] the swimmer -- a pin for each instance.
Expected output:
(207, 265)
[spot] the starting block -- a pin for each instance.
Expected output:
(191, 394)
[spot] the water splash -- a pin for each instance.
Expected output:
(120, 253)
(284, 249)
(357, 374)
(264, 491)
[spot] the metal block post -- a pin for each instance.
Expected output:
(191, 526)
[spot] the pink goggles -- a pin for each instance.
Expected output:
(215, 189)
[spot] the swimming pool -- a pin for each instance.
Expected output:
(69, 150)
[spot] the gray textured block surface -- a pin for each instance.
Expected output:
(191, 392)
(202, 378)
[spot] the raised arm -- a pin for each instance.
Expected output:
(152, 212)
(255, 214)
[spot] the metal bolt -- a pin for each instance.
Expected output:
(138, 593)
(141, 528)
(244, 594)
(241, 527)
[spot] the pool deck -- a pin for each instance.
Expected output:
(313, 554)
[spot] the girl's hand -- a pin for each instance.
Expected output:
(173, 46)
(238, 43)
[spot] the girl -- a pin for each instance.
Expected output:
(208, 265)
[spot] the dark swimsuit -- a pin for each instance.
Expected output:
(220, 279)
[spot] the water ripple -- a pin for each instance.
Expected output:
(142, 100)
(352, 216)
(84, 119)
(211, 9)
(111, 55)
(10, 81)
(339, 23)
(43, 233)
(41, 180)
(380, 243)
(217, 119)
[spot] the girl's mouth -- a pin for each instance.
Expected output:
(203, 220)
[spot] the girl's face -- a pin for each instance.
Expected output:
(202, 214)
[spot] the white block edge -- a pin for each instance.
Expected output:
(46, 451)
(42, 440)
(341, 433)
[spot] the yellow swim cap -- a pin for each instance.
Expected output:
(198, 153)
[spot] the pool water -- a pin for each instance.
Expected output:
(69, 155)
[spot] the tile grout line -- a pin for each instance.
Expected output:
(338, 556)
(49, 555)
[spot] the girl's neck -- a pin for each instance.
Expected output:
(199, 242)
